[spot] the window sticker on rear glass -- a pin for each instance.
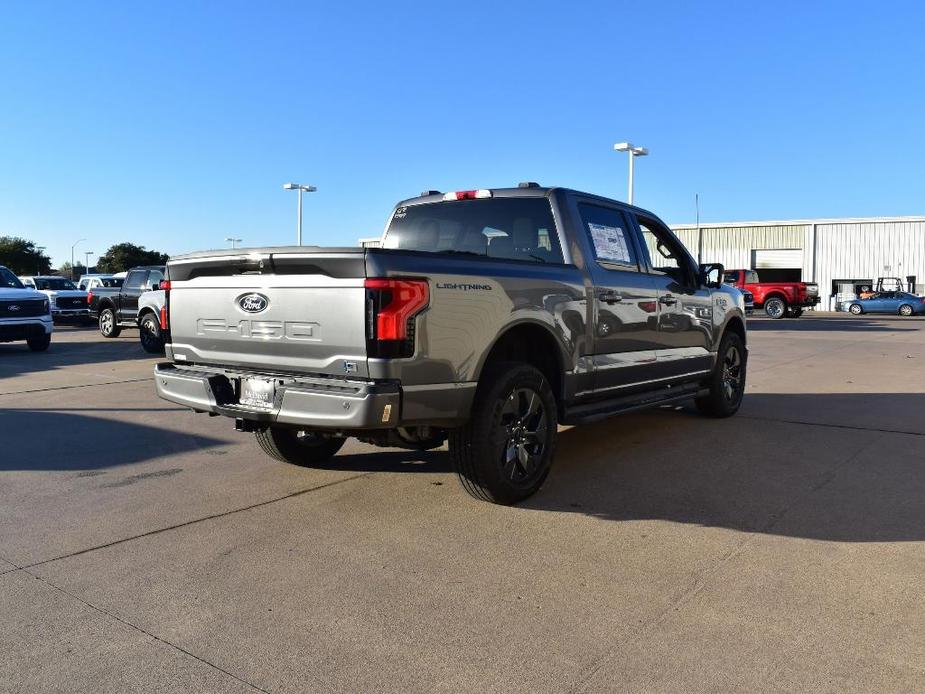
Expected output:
(610, 243)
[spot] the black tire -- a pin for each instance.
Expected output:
(775, 307)
(39, 344)
(505, 451)
(149, 333)
(855, 309)
(905, 310)
(109, 323)
(298, 446)
(727, 382)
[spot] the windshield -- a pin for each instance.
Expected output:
(8, 280)
(53, 283)
(511, 228)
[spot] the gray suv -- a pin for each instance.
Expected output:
(487, 317)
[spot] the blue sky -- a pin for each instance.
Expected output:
(174, 125)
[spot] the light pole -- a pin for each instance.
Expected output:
(233, 240)
(302, 189)
(87, 255)
(633, 152)
(72, 257)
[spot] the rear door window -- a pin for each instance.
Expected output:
(508, 228)
(135, 279)
(609, 235)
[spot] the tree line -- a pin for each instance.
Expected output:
(24, 257)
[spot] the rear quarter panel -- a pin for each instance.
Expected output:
(473, 301)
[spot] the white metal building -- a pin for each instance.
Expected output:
(831, 252)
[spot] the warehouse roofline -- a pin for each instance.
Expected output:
(801, 222)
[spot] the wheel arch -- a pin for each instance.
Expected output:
(143, 311)
(533, 343)
(735, 324)
(775, 294)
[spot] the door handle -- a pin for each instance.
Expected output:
(610, 297)
(667, 300)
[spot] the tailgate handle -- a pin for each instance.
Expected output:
(610, 297)
(667, 300)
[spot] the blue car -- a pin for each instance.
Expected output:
(903, 303)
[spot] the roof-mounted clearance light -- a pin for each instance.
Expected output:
(467, 194)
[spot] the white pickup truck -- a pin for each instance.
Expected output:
(25, 314)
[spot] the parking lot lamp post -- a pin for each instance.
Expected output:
(633, 152)
(233, 240)
(72, 257)
(302, 189)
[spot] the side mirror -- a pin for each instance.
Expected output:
(711, 275)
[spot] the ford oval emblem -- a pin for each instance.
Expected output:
(253, 303)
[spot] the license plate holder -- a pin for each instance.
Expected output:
(257, 392)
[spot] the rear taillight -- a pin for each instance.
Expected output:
(165, 285)
(391, 306)
(89, 297)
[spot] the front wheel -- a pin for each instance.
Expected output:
(149, 334)
(109, 326)
(298, 446)
(504, 452)
(39, 344)
(775, 308)
(727, 382)
(855, 309)
(905, 310)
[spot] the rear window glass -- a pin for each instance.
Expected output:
(53, 283)
(510, 228)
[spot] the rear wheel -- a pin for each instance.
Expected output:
(39, 344)
(109, 326)
(905, 310)
(727, 383)
(775, 307)
(298, 446)
(504, 452)
(149, 332)
(855, 309)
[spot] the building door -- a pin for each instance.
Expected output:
(778, 265)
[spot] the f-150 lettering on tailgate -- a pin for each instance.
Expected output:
(260, 329)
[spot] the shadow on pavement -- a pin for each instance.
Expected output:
(16, 359)
(829, 480)
(41, 440)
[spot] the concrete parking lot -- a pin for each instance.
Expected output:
(144, 548)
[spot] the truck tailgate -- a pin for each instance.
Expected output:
(277, 310)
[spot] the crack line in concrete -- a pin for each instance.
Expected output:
(83, 385)
(197, 520)
(143, 631)
(832, 426)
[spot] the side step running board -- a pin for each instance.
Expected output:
(601, 409)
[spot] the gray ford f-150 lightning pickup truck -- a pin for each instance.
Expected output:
(488, 317)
